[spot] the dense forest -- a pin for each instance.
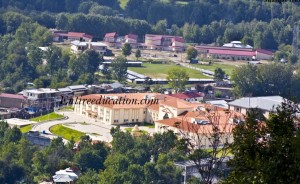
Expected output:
(24, 27)
(143, 159)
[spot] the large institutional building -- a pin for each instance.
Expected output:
(194, 120)
(143, 107)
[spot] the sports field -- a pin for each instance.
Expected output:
(161, 70)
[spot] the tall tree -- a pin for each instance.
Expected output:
(178, 78)
(219, 74)
(138, 54)
(119, 68)
(267, 152)
(191, 53)
(126, 49)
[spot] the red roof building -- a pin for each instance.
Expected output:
(71, 36)
(12, 100)
(234, 53)
(189, 96)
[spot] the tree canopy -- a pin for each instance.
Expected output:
(178, 78)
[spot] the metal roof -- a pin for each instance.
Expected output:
(265, 103)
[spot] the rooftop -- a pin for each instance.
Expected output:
(6, 95)
(267, 103)
(187, 95)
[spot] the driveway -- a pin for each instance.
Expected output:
(75, 121)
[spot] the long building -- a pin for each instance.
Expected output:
(234, 53)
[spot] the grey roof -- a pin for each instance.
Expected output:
(64, 89)
(116, 85)
(96, 44)
(63, 178)
(265, 103)
(219, 103)
(77, 87)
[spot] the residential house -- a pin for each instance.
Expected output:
(163, 42)
(79, 47)
(132, 39)
(111, 39)
(12, 100)
(42, 99)
(189, 96)
(190, 169)
(67, 176)
(198, 125)
(60, 36)
(78, 89)
(266, 104)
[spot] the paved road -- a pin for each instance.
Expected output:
(96, 130)
(76, 119)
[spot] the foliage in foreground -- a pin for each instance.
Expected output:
(267, 152)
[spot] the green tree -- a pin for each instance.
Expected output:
(219, 74)
(178, 78)
(269, 152)
(138, 54)
(293, 59)
(88, 177)
(126, 49)
(191, 53)
(119, 68)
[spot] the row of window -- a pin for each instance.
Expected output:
(126, 120)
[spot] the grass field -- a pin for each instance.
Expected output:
(26, 128)
(67, 108)
(47, 117)
(130, 130)
(227, 68)
(161, 70)
(66, 133)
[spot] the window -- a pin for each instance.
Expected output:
(166, 116)
(132, 120)
(116, 121)
(144, 112)
(125, 120)
(137, 120)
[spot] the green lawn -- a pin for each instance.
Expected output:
(149, 125)
(161, 70)
(227, 68)
(66, 133)
(47, 117)
(26, 128)
(67, 108)
(130, 130)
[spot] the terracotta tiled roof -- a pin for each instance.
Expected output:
(265, 51)
(6, 95)
(131, 36)
(232, 52)
(77, 34)
(163, 100)
(178, 39)
(187, 95)
(186, 126)
(218, 117)
(111, 35)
